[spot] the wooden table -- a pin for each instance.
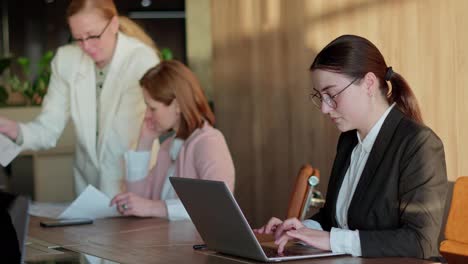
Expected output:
(154, 240)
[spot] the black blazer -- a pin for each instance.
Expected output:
(399, 201)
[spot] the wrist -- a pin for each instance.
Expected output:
(145, 144)
(13, 131)
(159, 209)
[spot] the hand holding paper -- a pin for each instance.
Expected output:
(8, 150)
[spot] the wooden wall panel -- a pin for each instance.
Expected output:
(261, 53)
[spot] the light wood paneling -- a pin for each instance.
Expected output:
(199, 42)
(261, 53)
(261, 85)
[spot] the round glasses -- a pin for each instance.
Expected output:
(317, 97)
(92, 39)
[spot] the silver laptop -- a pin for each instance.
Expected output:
(223, 227)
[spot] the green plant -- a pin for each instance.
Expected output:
(34, 90)
(166, 54)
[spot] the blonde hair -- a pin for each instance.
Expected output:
(108, 10)
(130, 28)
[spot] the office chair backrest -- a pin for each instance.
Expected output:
(455, 246)
(306, 180)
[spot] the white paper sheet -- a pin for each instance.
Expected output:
(8, 150)
(91, 203)
(50, 210)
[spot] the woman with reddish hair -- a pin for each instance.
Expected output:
(175, 102)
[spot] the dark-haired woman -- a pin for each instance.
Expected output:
(388, 183)
(175, 102)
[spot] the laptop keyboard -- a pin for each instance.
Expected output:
(273, 252)
(295, 250)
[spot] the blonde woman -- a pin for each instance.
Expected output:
(95, 83)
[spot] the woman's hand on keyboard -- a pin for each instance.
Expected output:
(278, 227)
(316, 238)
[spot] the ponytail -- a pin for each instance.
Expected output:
(401, 94)
(356, 56)
(132, 29)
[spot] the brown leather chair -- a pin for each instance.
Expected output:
(304, 194)
(455, 247)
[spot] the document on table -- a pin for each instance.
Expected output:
(91, 203)
(8, 150)
(49, 210)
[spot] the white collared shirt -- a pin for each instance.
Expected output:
(342, 239)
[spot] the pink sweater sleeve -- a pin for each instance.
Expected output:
(143, 187)
(213, 160)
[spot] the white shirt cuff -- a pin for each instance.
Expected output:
(345, 241)
(176, 210)
(312, 224)
(137, 164)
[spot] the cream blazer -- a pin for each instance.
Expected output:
(72, 93)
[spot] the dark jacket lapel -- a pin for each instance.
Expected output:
(382, 142)
(346, 144)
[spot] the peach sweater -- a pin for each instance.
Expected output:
(204, 155)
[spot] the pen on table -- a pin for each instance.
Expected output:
(200, 246)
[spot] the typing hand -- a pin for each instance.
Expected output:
(278, 228)
(316, 238)
(281, 230)
(270, 227)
